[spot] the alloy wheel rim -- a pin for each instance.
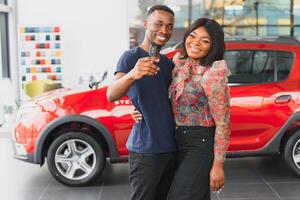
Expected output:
(75, 159)
(296, 154)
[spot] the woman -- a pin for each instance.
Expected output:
(200, 101)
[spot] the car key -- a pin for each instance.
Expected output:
(153, 50)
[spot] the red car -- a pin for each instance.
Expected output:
(77, 130)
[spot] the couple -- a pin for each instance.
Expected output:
(196, 84)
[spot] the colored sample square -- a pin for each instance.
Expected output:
(34, 70)
(37, 46)
(37, 62)
(57, 37)
(58, 69)
(22, 30)
(48, 69)
(52, 61)
(47, 29)
(33, 78)
(29, 30)
(48, 62)
(23, 62)
(47, 37)
(27, 38)
(40, 54)
(36, 29)
(57, 62)
(57, 45)
(28, 70)
(25, 54)
(23, 78)
(42, 62)
(56, 29)
(47, 46)
(56, 53)
(52, 46)
(44, 69)
(50, 77)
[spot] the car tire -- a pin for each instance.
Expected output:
(292, 152)
(75, 158)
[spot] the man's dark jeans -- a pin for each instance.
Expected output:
(151, 175)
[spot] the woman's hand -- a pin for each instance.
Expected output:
(217, 176)
(136, 116)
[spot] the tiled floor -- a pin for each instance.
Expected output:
(260, 178)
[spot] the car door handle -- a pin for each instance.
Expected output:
(283, 99)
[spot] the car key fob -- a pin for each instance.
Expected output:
(153, 50)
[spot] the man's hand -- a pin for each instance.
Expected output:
(144, 67)
(122, 82)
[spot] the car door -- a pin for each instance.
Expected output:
(280, 99)
(252, 80)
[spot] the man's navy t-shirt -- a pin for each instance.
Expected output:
(155, 132)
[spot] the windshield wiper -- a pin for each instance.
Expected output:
(94, 85)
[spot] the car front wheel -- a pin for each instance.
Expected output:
(75, 158)
(292, 153)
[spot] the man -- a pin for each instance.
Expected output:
(146, 80)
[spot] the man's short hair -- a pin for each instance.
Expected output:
(160, 7)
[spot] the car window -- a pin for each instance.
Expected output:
(284, 64)
(260, 62)
(256, 66)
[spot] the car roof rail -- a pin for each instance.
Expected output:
(287, 39)
(275, 39)
(249, 38)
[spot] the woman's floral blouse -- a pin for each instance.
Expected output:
(200, 97)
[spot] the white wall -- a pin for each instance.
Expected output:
(0, 58)
(94, 33)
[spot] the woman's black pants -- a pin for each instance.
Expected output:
(194, 162)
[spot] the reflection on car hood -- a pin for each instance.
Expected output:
(56, 94)
(60, 93)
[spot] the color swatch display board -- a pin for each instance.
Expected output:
(39, 54)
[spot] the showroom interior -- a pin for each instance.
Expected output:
(70, 44)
